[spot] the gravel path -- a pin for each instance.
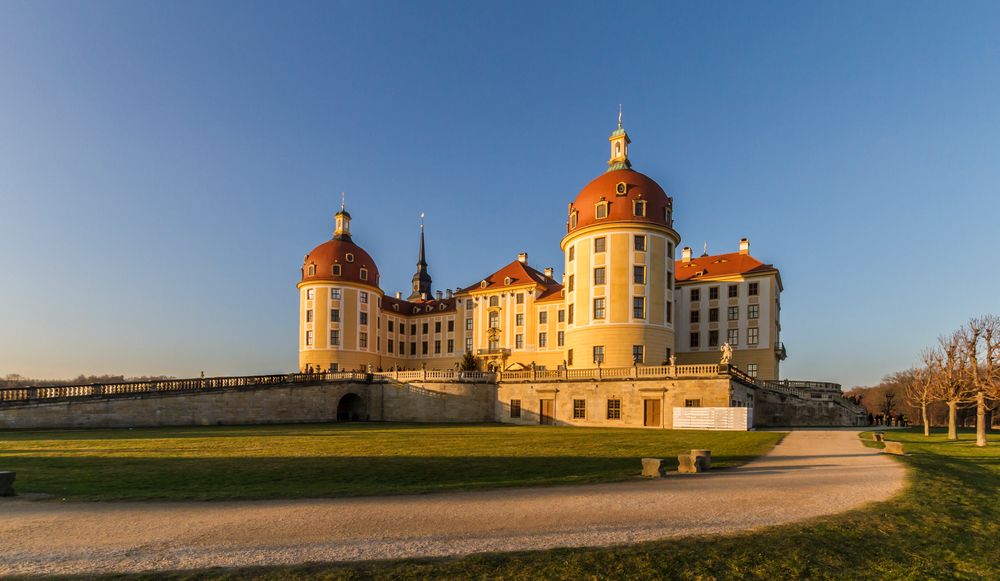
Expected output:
(811, 473)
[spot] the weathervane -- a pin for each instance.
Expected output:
(342, 198)
(619, 115)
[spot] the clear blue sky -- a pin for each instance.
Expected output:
(165, 166)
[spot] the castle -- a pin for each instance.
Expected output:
(624, 299)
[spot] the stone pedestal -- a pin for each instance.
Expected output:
(688, 464)
(894, 448)
(7, 483)
(705, 455)
(653, 468)
(878, 436)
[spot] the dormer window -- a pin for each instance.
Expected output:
(483, 284)
(639, 207)
(349, 257)
(311, 270)
(621, 188)
(395, 307)
(572, 219)
(601, 210)
(506, 281)
(336, 270)
(416, 310)
(364, 274)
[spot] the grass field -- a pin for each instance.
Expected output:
(946, 525)
(328, 460)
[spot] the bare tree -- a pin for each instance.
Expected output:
(952, 382)
(919, 385)
(981, 341)
(888, 404)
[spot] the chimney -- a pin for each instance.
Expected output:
(522, 258)
(448, 293)
(744, 246)
(439, 295)
(399, 295)
(549, 271)
(686, 254)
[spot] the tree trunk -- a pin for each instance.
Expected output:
(980, 419)
(952, 419)
(923, 414)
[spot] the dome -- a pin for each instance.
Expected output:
(622, 189)
(355, 264)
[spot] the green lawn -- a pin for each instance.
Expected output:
(946, 525)
(326, 460)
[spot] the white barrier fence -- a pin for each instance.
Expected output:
(735, 418)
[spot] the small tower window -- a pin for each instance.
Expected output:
(336, 270)
(602, 210)
(364, 274)
(639, 207)
(572, 219)
(349, 257)
(621, 188)
(309, 294)
(311, 270)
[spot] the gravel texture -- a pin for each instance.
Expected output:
(811, 473)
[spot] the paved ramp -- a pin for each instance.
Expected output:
(811, 473)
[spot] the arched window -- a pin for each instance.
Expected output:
(639, 207)
(311, 270)
(364, 274)
(601, 210)
(572, 219)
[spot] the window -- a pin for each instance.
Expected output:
(572, 253)
(572, 220)
(600, 244)
(599, 275)
(543, 339)
(468, 344)
(670, 280)
(378, 323)
(692, 403)
(599, 308)
(519, 299)
(519, 319)
(670, 311)
(734, 291)
(515, 408)
(424, 328)
(309, 338)
(310, 294)
(451, 325)
(561, 338)
(713, 293)
(543, 317)
(494, 301)
(561, 316)
(334, 315)
(413, 329)
(733, 336)
(614, 409)
(437, 326)
(638, 353)
(752, 335)
(424, 347)
(451, 345)
(364, 274)
(754, 287)
(363, 340)
(579, 409)
(640, 243)
(309, 316)
(695, 295)
(713, 338)
(753, 311)
(468, 304)
(752, 369)
(335, 270)
(639, 307)
(334, 337)
(572, 280)
(519, 341)
(670, 249)
(437, 347)
(639, 209)
(713, 315)
(494, 320)
(413, 349)
(639, 274)
(570, 321)
(335, 294)
(364, 318)
(598, 354)
(311, 271)
(388, 345)
(363, 297)
(695, 316)
(695, 341)
(601, 210)
(391, 326)
(733, 313)
(468, 324)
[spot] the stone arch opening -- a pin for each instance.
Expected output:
(351, 408)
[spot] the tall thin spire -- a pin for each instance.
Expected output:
(421, 279)
(619, 115)
(422, 258)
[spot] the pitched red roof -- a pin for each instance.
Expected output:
(416, 308)
(519, 274)
(719, 265)
(551, 294)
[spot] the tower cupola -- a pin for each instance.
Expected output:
(619, 146)
(342, 222)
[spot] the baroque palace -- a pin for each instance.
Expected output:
(624, 300)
